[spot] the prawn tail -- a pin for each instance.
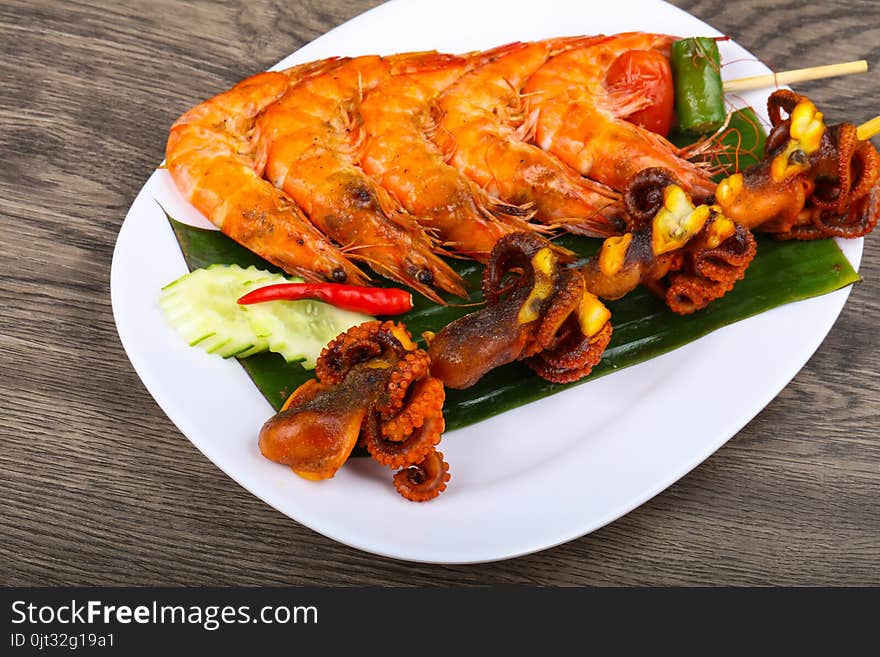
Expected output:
(625, 101)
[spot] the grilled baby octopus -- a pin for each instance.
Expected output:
(814, 181)
(687, 255)
(373, 386)
(536, 310)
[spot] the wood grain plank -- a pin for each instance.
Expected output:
(100, 488)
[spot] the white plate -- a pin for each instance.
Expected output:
(530, 478)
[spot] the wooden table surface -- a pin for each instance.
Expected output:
(100, 488)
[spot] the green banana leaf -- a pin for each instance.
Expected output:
(643, 327)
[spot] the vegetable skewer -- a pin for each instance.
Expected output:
(696, 66)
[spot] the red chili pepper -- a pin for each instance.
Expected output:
(368, 300)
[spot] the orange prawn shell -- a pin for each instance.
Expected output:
(212, 160)
(399, 116)
(311, 140)
(485, 130)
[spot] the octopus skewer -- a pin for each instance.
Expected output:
(815, 181)
(395, 161)
(689, 255)
(537, 310)
(373, 387)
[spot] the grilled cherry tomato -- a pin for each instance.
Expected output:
(646, 73)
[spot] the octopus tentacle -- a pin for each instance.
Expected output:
(643, 196)
(404, 453)
(544, 316)
(359, 344)
(833, 194)
(729, 260)
(373, 388)
(779, 100)
(860, 221)
(424, 480)
(711, 273)
(562, 305)
(867, 161)
(855, 212)
(777, 137)
(412, 368)
(688, 293)
(574, 358)
(511, 253)
(427, 401)
(814, 182)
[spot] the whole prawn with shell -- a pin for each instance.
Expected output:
(310, 141)
(213, 160)
(581, 119)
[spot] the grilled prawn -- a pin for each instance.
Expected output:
(214, 165)
(311, 139)
(399, 116)
(483, 132)
(577, 116)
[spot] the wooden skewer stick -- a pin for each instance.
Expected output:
(868, 129)
(797, 75)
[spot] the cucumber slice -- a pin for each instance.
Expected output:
(203, 307)
(299, 330)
